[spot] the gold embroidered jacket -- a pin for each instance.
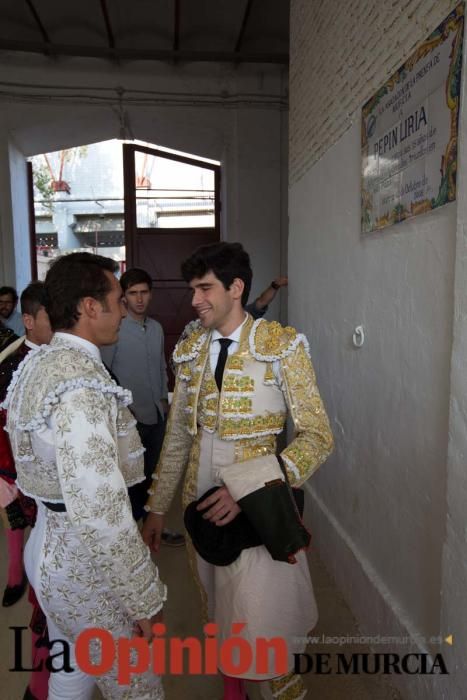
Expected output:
(270, 374)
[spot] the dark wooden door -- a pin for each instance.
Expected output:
(172, 206)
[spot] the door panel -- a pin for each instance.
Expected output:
(172, 207)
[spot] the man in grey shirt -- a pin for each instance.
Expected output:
(137, 360)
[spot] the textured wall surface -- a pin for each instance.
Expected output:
(387, 511)
(340, 53)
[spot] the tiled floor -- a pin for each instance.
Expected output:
(182, 616)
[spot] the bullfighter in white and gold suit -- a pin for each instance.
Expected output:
(77, 451)
(268, 374)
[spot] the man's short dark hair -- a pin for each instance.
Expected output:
(226, 260)
(32, 298)
(11, 291)
(135, 275)
(71, 278)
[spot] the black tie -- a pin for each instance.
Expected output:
(221, 360)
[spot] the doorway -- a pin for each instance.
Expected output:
(142, 205)
(172, 206)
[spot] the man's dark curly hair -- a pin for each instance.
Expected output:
(32, 298)
(71, 278)
(226, 260)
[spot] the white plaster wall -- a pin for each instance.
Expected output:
(384, 489)
(234, 115)
(388, 509)
(20, 205)
(454, 569)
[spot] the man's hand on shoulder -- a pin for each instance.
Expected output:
(152, 531)
(222, 507)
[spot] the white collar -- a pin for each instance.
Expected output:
(82, 343)
(30, 344)
(234, 336)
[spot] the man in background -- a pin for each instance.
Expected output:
(18, 511)
(260, 305)
(38, 332)
(8, 314)
(138, 362)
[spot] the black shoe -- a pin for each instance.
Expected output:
(28, 695)
(172, 538)
(12, 594)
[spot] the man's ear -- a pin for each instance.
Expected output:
(28, 321)
(89, 307)
(237, 287)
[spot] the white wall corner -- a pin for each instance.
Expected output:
(377, 611)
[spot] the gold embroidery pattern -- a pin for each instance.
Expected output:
(236, 405)
(210, 405)
(188, 346)
(235, 428)
(208, 422)
(208, 402)
(234, 363)
(289, 687)
(185, 371)
(189, 494)
(255, 447)
(174, 454)
(272, 339)
(313, 442)
(192, 401)
(190, 488)
(237, 384)
(192, 385)
(269, 377)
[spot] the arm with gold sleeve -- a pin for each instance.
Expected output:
(175, 451)
(313, 441)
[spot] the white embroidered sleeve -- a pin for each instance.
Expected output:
(96, 499)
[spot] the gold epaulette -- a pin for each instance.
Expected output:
(190, 343)
(270, 341)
